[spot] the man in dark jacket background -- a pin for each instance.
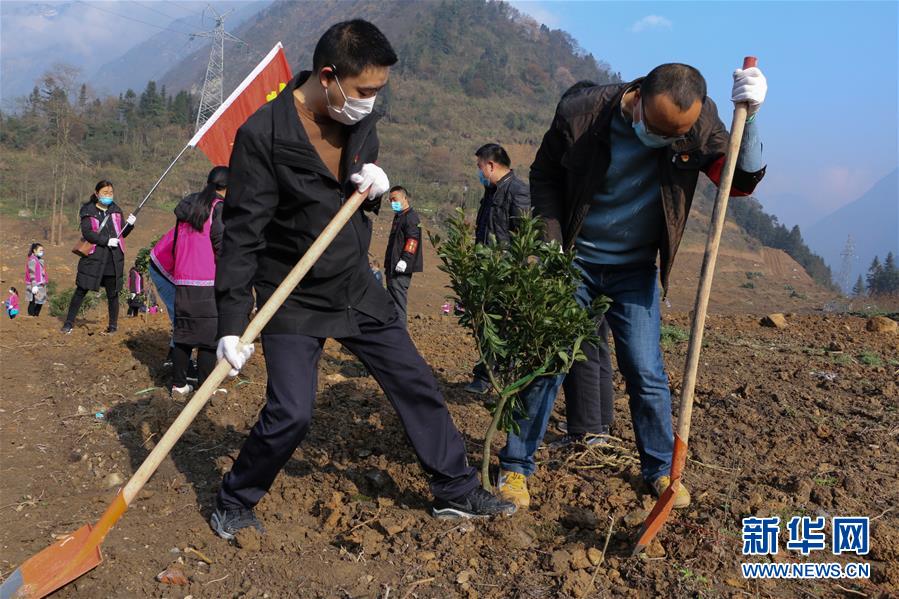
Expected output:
(614, 179)
(404, 255)
(294, 163)
(506, 198)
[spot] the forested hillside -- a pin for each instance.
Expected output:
(470, 72)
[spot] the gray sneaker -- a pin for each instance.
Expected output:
(477, 503)
(478, 386)
(226, 522)
(588, 439)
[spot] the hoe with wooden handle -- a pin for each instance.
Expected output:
(662, 509)
(79, 552)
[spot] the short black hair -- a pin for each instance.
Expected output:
(494, 153)
(352, 46)
(400, 188)
(684, 84)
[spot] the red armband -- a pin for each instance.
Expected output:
(411, 246)
(714, 173)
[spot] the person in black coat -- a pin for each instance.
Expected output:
(102, 225)
(295, 162)
(506, 198)
(404, 255)
(198, 243)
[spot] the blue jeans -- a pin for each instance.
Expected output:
(635, 322)
(166, 291)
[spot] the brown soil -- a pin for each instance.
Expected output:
(795, 421)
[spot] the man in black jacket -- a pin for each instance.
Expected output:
(613, 180)
(294, 163)
(404, 255)
(506, 197)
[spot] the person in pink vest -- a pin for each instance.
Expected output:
(35, 280)
(135, 290)
(12, 303)
(102, 225)
(197, 240)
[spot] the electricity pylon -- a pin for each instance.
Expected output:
(213, 94)
(844, 279)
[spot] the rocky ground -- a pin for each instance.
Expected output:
(801, 420)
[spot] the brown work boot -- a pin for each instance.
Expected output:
(513, 487)
(681, 498)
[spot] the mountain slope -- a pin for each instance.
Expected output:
(873, 222)
(470, 72)
(151, 59)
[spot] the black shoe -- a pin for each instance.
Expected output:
(478, 386)
(111, 329)
(226, 522)
(66, 329)
(167, 363)
(478, 503)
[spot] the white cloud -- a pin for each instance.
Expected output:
(538, 11)
(651, 22)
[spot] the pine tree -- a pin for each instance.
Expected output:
(858, 289)
(890, 278)
(875, 272)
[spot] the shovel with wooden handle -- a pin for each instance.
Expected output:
(79, 552)
(662, 509)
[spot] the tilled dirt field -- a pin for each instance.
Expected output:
(802, 420)
(799, 421)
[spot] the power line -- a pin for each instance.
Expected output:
(148, 7)
(182, 6)
(106, 10)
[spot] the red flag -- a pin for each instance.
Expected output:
(216, 137)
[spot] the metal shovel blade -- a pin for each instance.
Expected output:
(659, 514)
(52, 568)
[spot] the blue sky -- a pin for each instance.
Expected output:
(829, 124)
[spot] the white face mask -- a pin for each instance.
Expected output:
(354, 109)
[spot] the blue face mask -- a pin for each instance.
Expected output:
(484, 180)
(396, 206)
(105, 201)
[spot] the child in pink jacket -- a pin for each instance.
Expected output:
(12, 303)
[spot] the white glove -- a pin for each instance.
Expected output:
(34, 290)
(230, 348)
(131, 219)
(750, 86)
(113, 242)
(373, 178)
(401, 266)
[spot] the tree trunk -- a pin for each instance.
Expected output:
(488, 439)
(53, 214)
(62, 199)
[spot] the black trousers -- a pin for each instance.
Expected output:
(390, 356)
(181, 361)
(34, 309)
(589, 393)
(398, 288)
(112, 299)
